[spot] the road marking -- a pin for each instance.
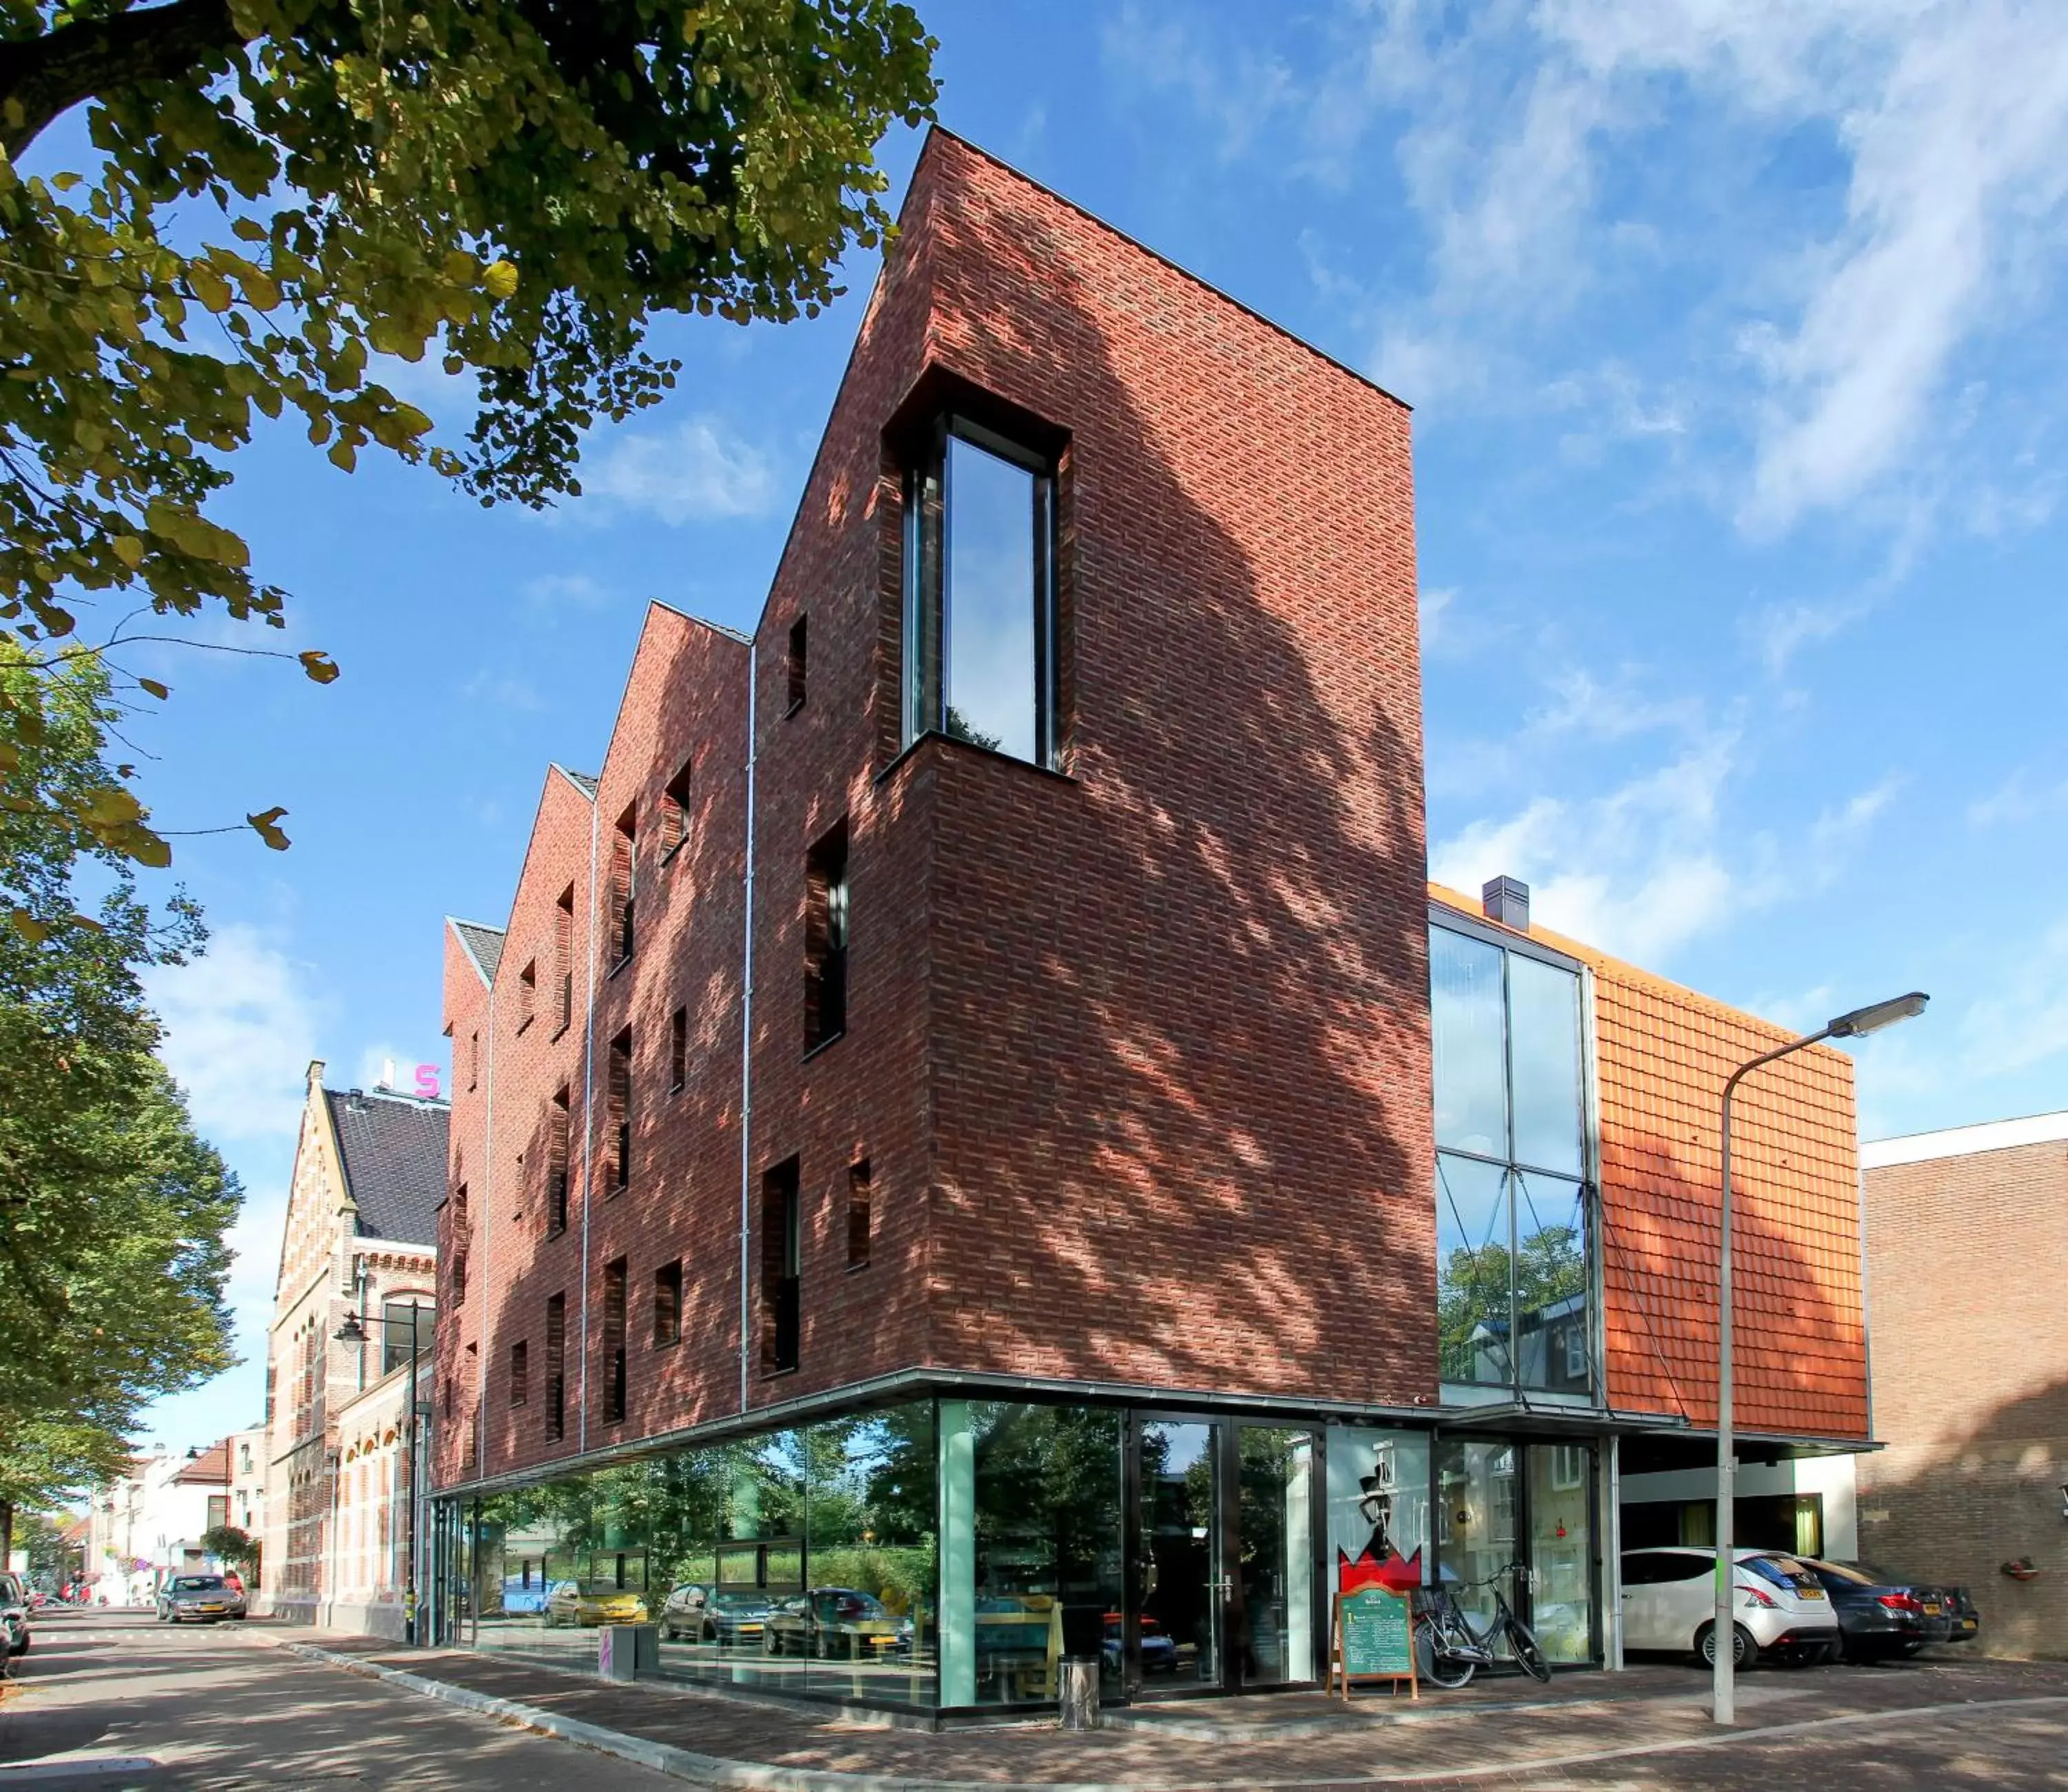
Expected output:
(76, 1766)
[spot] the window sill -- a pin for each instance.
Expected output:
(613, 1192)
(553, 1232)
(617, 967)
(522, 1025)
(676, 1088)
(675, 851)
(824, 1045)
(961, 745)
(855, 1269)
(667, 1343)
(560, 1032)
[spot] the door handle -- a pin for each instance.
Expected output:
(1224, 1586)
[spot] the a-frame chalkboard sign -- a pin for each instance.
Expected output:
(1373, 1639)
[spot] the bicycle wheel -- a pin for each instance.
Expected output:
(1526, 1649)
(1433, 1660)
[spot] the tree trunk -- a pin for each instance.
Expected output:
(46, 76)
(7, 1533)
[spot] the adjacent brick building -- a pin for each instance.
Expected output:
(942, 1148)
(1965, 1230)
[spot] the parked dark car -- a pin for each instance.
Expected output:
(13, 1617)
(1962, 1615)
(836, 1622)
(1879, 1620)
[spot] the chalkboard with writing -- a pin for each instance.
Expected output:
(1374, 1639)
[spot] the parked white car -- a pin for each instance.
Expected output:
(1669, 1602)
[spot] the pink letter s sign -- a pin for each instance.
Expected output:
(427, 1082)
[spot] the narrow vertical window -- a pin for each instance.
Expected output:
(858, 1215)
(668, 1302)
(980, 634)
(474, 1061)
(679, 1048)
(675, 813)
(520, 1372)
(459, 1238)
(825, 940)
(624, 873)
(564, 957)
(556, 1162)
(618, 1110)
(527, 994)
(781, 1250)
(795, 664)
(556, 1367)
(613, 1341)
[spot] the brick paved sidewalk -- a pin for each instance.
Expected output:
(1507, 1728)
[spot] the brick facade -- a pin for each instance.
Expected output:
(1971, 1374)
(1137, 1049)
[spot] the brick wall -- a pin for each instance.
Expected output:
(1136, 1054)
(1971, 1382)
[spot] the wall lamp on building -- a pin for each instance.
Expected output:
(1856, 1024)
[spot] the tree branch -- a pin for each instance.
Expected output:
(45, 77)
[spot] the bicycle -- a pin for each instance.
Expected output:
(1449, 1650)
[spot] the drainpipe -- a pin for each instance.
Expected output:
(746, 1044)
(589, 1118)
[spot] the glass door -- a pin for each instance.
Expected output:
(1182, 1589)
(1275, 1555)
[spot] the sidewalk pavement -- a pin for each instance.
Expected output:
(1501, 1729)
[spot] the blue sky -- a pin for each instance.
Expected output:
(1732, 335)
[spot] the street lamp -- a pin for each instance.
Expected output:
(1857, 1024)
(353, 1331)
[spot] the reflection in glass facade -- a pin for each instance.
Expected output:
(1513, 1261)
(801, 1560)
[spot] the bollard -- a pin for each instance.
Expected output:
(1079, 1695)
(624, 1651)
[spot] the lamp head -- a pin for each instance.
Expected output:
(1862, 1022)
(351, 1332)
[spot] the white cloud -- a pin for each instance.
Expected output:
(1525, 134)
(1162, 55)
(1779, 631)
(241, 1028)
(2018, 798)
(699, 472)
(565, 590)
(1653, 863)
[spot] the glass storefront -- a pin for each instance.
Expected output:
(951, 1554)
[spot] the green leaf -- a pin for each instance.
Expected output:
(318, 665)
(160, 692)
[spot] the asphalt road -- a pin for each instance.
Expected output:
(217, 1706)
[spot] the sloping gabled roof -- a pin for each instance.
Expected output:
(581, 780)
(209, 1468)
(483, 944)
(394, 1150)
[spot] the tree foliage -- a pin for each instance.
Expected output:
(277, 201)
(112, 1211)
(228, 1544)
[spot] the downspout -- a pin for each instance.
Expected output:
(487, 1265)
(746, 1043)
(588, 1121)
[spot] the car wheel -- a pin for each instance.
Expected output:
(1744, 1653)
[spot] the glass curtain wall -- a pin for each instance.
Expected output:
(802, 1561)
(1031, 1553)
(1514, 1236)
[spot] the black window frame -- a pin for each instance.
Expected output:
(678, 1050)
(925, 702)
(796, 665)
(782, 1267)
(617, 1109)
(668, 1305)
(616, 1292)
(828, 935)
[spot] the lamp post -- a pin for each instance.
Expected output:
(1723, 1634)
(353, 1331)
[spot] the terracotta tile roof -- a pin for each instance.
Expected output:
(210, 1469)
(1662, 1054)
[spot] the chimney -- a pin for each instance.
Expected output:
(1506, 900)
(387, 1075)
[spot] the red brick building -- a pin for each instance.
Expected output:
(1022, 1238)
(1971, 1371)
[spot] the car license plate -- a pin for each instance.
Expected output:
(1810, 1592)
(211, 1608)
(1967, 1624)
(1931, 1609)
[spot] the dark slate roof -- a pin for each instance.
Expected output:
(580, 780)
(394, 1150)
(484, 945)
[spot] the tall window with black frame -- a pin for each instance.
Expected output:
(826, 924)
